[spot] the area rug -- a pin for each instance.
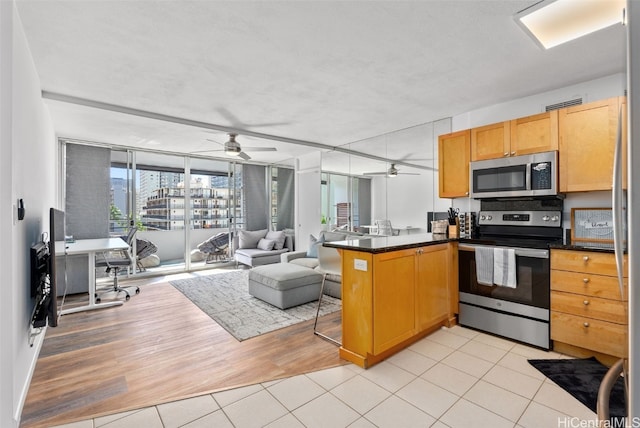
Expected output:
(226, 299)
(581, 378)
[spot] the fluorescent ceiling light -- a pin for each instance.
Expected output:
(552, 23)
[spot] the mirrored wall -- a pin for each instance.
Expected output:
(399, 171)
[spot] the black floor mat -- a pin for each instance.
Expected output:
(581, 378)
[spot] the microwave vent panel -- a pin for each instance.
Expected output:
(563, 104)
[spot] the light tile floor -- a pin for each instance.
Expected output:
(456, 378)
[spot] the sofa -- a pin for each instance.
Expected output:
(261, 247)
(309, 259)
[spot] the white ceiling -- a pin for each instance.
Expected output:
(328, 72)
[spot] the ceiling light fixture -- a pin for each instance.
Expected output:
(232, 147)
(393, 171)
(552, 23)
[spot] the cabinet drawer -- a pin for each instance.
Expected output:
(585, 261)
(602, 286)
(600, 336)
(591, 307)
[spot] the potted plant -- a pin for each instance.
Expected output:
(323, 223)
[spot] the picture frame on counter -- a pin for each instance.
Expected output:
(592, 225)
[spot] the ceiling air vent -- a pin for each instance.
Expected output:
(563, 104)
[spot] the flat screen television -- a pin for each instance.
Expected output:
(56, 238)
(40, 283)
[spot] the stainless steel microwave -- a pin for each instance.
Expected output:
(526, 175)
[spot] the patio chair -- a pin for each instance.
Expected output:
(216, 247)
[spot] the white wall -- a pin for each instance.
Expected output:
(406, 199)
(606, 87)
(594, 90)
(28, 164)
(308, 199)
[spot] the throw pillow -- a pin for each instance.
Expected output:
(250, 238)
(313, 247)
(266, 244)
(278, 237)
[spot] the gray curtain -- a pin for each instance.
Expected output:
(286, 195)
(87, 200)
(256, 204)
(87, 191)
(364, 200)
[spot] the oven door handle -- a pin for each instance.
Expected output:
(521, 252)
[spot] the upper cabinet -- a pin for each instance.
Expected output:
(534, 134)
(584, 136)
(531, 134)
(587, 143)
(491, 141)
(453, 164)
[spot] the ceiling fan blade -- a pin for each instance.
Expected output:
(374, 173)
(259, 149)
(408, 173)
(214, 141)
(244, 156)
(206, 151)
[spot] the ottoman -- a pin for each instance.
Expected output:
(284, 284)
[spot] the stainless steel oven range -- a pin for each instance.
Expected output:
(519, 242)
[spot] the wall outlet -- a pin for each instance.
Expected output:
(359, 264)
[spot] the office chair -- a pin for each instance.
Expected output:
(329, 263)
(116, 260)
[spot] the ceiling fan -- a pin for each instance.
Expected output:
(391, 172)
(233, 148)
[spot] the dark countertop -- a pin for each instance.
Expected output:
(586, 247)
(383, 244)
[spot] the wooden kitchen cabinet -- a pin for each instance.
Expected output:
(432, 285)
(394, 300)
(586, 146)
(453, 164)
(534, 134)
(589, 316)
(491, 141)
(531, 134)
(401, 297)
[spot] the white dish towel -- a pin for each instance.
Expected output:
(484, 265)
(504, 267)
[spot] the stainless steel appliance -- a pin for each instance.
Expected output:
(520, 313)
(527, 175)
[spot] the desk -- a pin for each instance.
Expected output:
(90, 247)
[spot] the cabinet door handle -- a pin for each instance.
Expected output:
(513, 153)
(586, 324)
(585, 280)
(586, 302)
(506, 153)
(585, 258)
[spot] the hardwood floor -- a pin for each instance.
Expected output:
(159, 347)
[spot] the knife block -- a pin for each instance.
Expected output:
(454, 230)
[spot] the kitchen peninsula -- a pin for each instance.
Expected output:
(395, 291)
